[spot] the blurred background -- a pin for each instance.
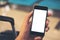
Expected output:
(17, 9)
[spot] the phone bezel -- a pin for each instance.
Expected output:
(39, 33)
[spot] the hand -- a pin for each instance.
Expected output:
(25, 29)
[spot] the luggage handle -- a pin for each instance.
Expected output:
(11, 20)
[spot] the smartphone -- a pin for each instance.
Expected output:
(39, 21)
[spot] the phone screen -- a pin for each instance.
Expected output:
(39, 18)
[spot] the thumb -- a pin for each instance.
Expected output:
(38, 38)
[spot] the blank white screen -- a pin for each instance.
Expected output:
(39, 19)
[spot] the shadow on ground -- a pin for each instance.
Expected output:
(58, 26)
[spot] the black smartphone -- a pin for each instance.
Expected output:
(39, 20)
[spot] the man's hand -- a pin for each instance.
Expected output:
(25, 28)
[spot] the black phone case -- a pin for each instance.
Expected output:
(37, 33)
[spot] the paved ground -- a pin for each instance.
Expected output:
(52, 34)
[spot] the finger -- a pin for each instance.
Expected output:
(47, 22)
(38, 38)
(50, 13)
(46, 29)
(28, 16)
